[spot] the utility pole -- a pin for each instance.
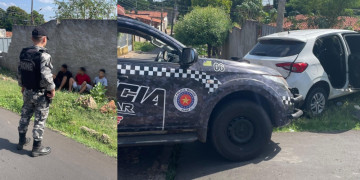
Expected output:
(162, 9)
(136, 7)
(280, 17)
(32, 16)
(173, 18)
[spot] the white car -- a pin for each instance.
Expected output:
(321, 64)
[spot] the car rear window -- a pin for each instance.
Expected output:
(277, 48)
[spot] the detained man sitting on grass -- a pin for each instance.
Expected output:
(62, 78)
(80, 82)
(101, 79)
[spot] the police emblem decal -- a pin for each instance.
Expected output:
(185, 100)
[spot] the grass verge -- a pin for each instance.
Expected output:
(143, 46)
(336, 118)
(65, 115)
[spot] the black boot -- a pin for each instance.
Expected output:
(23, 141)
(39, 150)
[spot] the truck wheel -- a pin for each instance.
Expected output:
(240, 130)
(316, 101)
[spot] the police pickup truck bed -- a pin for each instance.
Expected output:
(178, 97)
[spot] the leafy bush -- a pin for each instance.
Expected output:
(143, 46)
(98, 93)
(204, 26)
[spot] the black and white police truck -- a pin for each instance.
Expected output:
(176, 97)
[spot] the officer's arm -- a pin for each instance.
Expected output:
(46, 68)
(19, 76)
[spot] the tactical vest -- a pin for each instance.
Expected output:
(29, 67)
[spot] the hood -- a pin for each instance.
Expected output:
(239, 67)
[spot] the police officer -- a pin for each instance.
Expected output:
(38, 88)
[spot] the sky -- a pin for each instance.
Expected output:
(45, 7)
(267, 2)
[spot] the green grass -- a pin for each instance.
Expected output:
(143, 46)
(335, 119)
(65, 115)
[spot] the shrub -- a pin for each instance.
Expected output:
(98, 93)
(143, 46)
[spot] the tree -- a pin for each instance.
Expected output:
(225, 4)
(234, 14)
(15, 15)
(2, 18)
(184, 6)
(270, 16)
(204, 26)
(85, 9)
(323, 13)
(135, 4)
(38, 18)
(249, 9)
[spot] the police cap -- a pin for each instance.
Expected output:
(39, 31)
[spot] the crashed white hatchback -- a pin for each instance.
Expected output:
(320, 64)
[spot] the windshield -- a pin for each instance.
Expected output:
(277, 48)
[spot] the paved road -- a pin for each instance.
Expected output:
(143, 163)
(289, 156)
(69, 160)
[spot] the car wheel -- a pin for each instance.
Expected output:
(240, 130)
(316, 101)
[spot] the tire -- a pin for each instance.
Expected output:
(240, 130)
(316, 101)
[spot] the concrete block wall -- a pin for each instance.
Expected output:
(88, 43)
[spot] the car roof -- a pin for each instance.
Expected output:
(304, 35)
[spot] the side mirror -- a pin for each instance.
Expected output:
(189, 56)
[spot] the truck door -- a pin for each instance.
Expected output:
(353, 43)
(142, 95)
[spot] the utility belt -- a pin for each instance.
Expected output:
(42, 91)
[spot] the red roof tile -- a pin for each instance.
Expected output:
(144, 17)
(155, 14)
(346, 22)
(120, 10)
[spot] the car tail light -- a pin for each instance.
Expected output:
(296, 67)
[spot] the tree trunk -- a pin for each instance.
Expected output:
(280, 17)
(209, 48)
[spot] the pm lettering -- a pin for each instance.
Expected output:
(26, 65)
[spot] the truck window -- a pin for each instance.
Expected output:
(150, 49)
(277, 48)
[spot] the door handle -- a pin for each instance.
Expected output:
(123, 77)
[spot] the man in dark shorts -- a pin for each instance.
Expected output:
(61, 80)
